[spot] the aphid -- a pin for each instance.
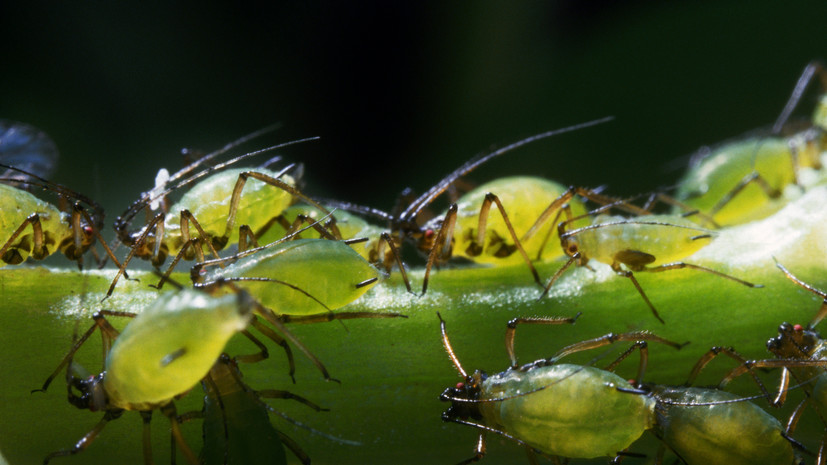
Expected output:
(467, 229)
(237, 427)
(556, 409)
(162, 353)
(745, 180)
(801, 353)
(29, 226)
(206, 216)
(654, 244)
(318, 275)
(709, 426)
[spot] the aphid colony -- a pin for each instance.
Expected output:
(293, 258)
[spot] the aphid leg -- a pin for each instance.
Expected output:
(236, 199)
(294, 448)
(328, 317)
(714, 352)
(273, 336)
(146, 419)
(479, 243)
(558, 273)
(108, 332)
(643, 347)
(479, 451)
(611, 338)
(158, 223)
(39, 251)
(532, 457)
(246, 238)
(186, 218)
(449, 349)
(511, 330)
(792, 424)
(169, 411)
(679, 265)
(822, 311)
(631, 276)
(623, 454)
(194, 243)
(441, 247)
(394, 251)
(785, 364)
(753, 177)
(87, 439)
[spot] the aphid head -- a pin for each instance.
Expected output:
(571, 246)
(87, 392)
(464, 398)
(793, 341)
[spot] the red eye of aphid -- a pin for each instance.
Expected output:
(798, 327)
(429, 233)
(460, 385)
(632, 382)
(87, 229)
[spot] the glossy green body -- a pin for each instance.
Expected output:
(169, 347)
(249, 438)
(524, 199)
(327, 270)
(578, 413)
(711, 179)
(209, 201)
(350, 226)
(666, 242)
(16, 205)
(739, 433)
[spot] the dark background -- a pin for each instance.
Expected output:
(401, 94)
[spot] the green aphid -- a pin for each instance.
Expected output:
(554, 409)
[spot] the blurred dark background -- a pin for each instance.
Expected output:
(400, 93)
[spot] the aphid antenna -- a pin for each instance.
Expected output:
(360, 209)
(51, 186)
(487, 429)
(231, 145)
(312, 430)
(812, 68)
(150, 196)
(706, 232)
(822, 312)
(428, 197)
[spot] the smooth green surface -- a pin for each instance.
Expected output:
(393, 370)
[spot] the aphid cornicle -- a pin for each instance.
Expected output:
(225, 206)
(655, 243)
(745, 180)
(553, 408)
(163, 352)
(467, 227)
(29, 226)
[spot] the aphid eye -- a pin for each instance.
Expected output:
(460, 385)
(87, 229)
(573, 248)
(798, 327)
(429, 233)
(632, 382)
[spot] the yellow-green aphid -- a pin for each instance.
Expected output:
(162, 353)
(209, 202)
(299, 277)
(528, 198)
(16, 206)
(566, 410)
(708, 186)
(652, 243)
(720, 428)
(33, 227)
(746, 180)
(170, 346)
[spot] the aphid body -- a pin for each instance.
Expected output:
(16, 206)
(529, 197)
(567, 410)
(725, 430)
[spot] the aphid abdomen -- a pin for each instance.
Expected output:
(524, 199)
(170, 346)
(668, 238)
(16, 205)
(739, 433)
(209, 202)
(576, 411)
(327, 270)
